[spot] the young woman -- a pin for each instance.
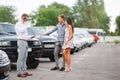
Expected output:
(68, 43)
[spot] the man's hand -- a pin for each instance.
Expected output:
(33, 36)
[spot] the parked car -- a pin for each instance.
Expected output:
(97, 33)
(77, 43)
(81, 40)
(8, 43)
(4, 66)
(47, 43)
(86, 37)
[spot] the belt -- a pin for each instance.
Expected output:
(23, 40)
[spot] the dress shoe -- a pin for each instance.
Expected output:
(62, 69)
(27, 74)
(55, 68)
(21, 75)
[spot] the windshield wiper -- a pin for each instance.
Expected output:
(2, 33)
(12, 32)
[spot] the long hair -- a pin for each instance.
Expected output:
(69, 21)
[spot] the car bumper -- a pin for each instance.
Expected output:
(13, 54)
(4, 72)
(46, 52)
(5, 68)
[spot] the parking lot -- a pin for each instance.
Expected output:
(100, 62)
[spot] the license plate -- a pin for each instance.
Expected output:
(29, 49)
(49, 46)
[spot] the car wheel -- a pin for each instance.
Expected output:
(72, 52)
(90, 45)
(83, 46)
(32, 63)
(53, 59)
(4, 76)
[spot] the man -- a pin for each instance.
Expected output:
(60, 28)
(23, 37)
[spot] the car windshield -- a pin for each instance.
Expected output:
(35, 31)
(7, 28)
(92, 32)
(3, 30)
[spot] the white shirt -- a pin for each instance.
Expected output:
(21, 30)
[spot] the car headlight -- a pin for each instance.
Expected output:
(4, 60)
(5, 43)
(37, 43)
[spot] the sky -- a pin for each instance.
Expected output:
(112, 7)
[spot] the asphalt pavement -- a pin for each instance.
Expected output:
(100, 62)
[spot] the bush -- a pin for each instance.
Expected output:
(117, 41)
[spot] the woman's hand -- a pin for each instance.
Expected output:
(63, 51)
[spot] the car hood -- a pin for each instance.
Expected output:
(8, 38)
(12, 38)
(47, 38)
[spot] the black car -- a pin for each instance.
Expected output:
(47, 42)
(8, 43)
(4, 66)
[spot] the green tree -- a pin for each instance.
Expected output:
(7, 14)
(90, 14)
(118, 25)
(45, 16)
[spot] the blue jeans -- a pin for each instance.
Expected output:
(22, 56)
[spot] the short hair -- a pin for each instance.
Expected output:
(62, 16)
(24, 15)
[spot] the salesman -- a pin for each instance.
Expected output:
(22, 34)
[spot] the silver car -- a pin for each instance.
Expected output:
(4, 66)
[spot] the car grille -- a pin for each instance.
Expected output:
(14, 43)
(49, 44)
(30, 43)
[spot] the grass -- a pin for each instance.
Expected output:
(115, 42)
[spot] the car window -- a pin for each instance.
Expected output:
(92, 32)
(35, 31)
(3, 30)
(8, 28)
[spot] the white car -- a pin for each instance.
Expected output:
(98, 32)
(86, 37)
(4, 66)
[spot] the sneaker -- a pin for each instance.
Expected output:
(62, 69)
(55, 68)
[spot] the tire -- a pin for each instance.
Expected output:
(90, 45)
(52, 59)
(32, 63)
(3, 76)
(83, 47)
(71, 52)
